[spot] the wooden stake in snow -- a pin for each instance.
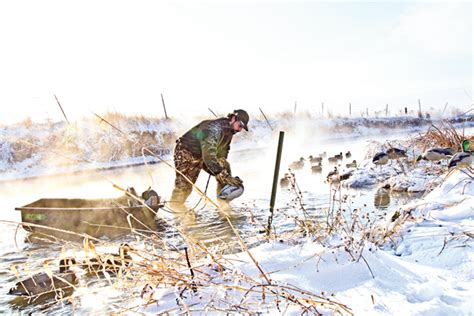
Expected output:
(164, 107)
(386, 110)
(419, 108)
(322, 109)
(62, 109)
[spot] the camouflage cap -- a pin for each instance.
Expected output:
(242, 116)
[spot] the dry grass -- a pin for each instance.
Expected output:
(116, 118)
(444, 135)
(157, 265)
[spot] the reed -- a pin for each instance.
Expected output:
(443, 135)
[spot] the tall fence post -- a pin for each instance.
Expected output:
(265, 117)
(164, 107)
(210, 110)
(420, 115)
(446, 105)
(62, 110)
(275, 180)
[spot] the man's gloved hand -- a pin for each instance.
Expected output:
(235, 181)
(225, 178)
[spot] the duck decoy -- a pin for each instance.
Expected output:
(285, 181)
(462, 159)
(348, 154)
(338, 156)
(316, 168)
(396, 153)
(46, 284)
(352, 164)
(108, 262)
(346, 175)
(465, 146)
(323, 154)
(315, 159)
(333, 176)
(299, 164)
(380, 159)
(336, 177)
(436, 154)
(332, 160)
(151, 198)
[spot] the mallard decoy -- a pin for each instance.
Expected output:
(396, 153)
(348, 154)
(299, 164)
(346, 175)
(333, 176)
(436, 154)
(108, 262)
(380, 159)
(317, 168)
(352, 164)
(338, 156)
(151, 198)
(315, 159)
(465, 146)
(46, 284)
(285, 181)
(462, 159)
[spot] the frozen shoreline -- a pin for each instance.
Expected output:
(48, 150)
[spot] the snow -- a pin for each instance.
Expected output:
(425, 267)
(36, 149)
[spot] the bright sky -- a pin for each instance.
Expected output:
(120, 55)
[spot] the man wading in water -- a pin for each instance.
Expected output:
(206, 146)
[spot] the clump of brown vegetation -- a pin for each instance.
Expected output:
(443, 135)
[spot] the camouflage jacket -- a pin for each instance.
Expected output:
(209, 141)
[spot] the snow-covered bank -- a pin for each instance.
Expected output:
(421, 264)
(351, 258)
(33, 149)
